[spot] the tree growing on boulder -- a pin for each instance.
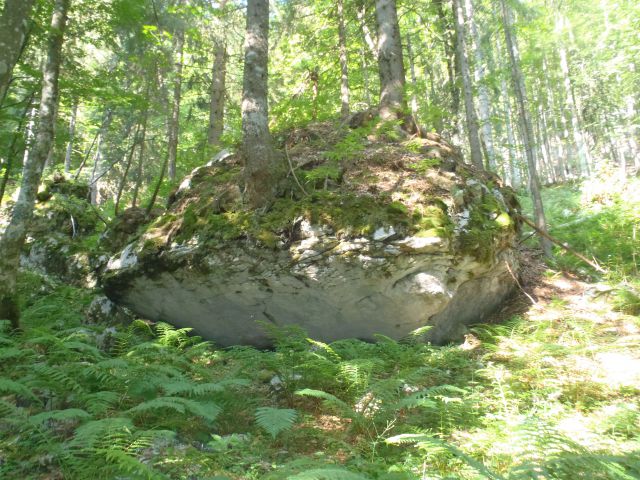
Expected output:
(261, 172)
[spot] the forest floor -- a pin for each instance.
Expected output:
(549, 389)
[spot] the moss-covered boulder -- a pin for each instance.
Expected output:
(370, 237)
(62, 235)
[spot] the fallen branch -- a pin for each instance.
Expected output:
(293, 173)
(544, 234)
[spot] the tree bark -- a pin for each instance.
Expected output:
(14, 30)
(484, 105)
(218, 93)
(584, 157)
(260, 172)
(414, 81)
(12, 151)
(143, 140)
(127, 167)
(72, 133)
(449, 53)
(12, 240)
(521, 98)
(463, 64)
(174, 121)
(344, 66)
(393, 105)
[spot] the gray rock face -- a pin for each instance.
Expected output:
(376, 289)
(451, 267)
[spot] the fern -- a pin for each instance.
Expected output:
(207, 410)
(16, 388)
(328, 474)
(425, 441)
(275, 420)
(60, 416)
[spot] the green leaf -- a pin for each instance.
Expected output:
(275, 420)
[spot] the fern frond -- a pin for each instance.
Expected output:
(99, 402)
(8, 409)
(329, 399)
(275, 420)
(328, 474)
(422, 440)
(60, 415)
(192, 389)
(56, 378)
(88, 434)
(16, 388)
(12, 354)
(207, 410)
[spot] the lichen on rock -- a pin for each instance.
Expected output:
(371, 237)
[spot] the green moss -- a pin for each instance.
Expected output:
(487, 221)
(424, 165)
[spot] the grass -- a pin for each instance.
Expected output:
(551, 394)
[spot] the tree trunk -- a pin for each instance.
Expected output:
(260, 172)
(13, 150)
(344, 68)
(127, 167)
(143, 140)
(14, 30)
(414, 81)
(390, 63)
(218, 93)
(449, 53)
(13, 238)
(29, 136)
(72, 133)
(521, 98)
(174, 121)
(484, 110)
(578, 137)
(463, 64)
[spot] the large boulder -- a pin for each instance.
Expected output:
(387, 239)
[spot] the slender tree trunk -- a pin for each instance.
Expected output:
(143, 141)
(97, 159)
(218, 93)
(516, 180)
(261, 173)
(14, 30)
(218, 87)
(344, 68)
(479, 73)
(174, 121)
(366, 32)
(156, 189)
(29, 134)
(127, 167)
(12, 152)
(414, 81)
(559, 163)
(393, 105)
(463, 65)
(449, 53)
(13, 238)
(72, 133)
(578, 136)
(521, 97)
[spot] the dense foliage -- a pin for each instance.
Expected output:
(552, 394)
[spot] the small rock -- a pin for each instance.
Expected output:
(382, 234)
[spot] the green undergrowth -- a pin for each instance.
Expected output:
(599, 218)
(538, 398)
